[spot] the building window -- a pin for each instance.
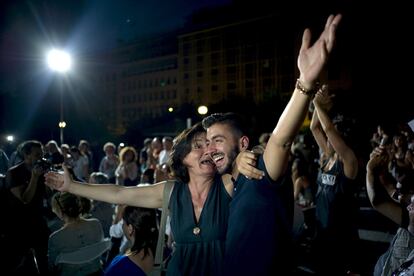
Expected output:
(200, 45)
(231, 72)
(248, 84)
(186, 76)
(267, 83)
(250, 70)
(186, 49)
(215, 59)
(231, 56)
(199, 74)
(231, 85)
(200, 60)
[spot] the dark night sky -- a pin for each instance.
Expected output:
(28, 28)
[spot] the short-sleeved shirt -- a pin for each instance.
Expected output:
(122, 265)
(259, 228)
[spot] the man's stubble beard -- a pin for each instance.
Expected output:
(231, 157)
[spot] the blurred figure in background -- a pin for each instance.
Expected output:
(103, 211)
(336, 206)
(140, 228)
(109, 162)
(53, 153)
(79, 163)
(167, 143)
(76, 233)
(4, 162)
(85, 150)
(26, 183)
(143, 155)
(127, 171)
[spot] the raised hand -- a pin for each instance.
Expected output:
(377, 158)
(312, 58)
(59, 181)
(323, 99)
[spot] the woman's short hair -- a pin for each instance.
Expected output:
(181, 147)
(125, 150)
(109, 144)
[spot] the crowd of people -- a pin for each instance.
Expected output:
(235, 208)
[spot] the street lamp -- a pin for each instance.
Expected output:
(61, 62)
(202, 110)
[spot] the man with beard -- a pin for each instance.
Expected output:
(260, 219)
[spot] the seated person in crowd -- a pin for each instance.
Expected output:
(76, 233)
(102, 211)
(141, 230)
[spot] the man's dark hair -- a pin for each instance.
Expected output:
(180, 149)
(27, 146)
(233, 120)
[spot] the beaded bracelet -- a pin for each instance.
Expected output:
(308, 92)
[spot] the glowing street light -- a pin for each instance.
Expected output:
(61, 62)
(170, 109)
(202, 110)
(62, 124)
(10, 138)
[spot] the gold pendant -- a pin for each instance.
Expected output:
(196, 230)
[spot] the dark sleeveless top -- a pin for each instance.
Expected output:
(200, 254)
(336, 206)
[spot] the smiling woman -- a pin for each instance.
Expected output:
(199, 204)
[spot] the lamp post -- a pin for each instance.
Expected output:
(60, 62)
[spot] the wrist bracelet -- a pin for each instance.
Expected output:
(308, 92)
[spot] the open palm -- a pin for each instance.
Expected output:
(312, 58)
